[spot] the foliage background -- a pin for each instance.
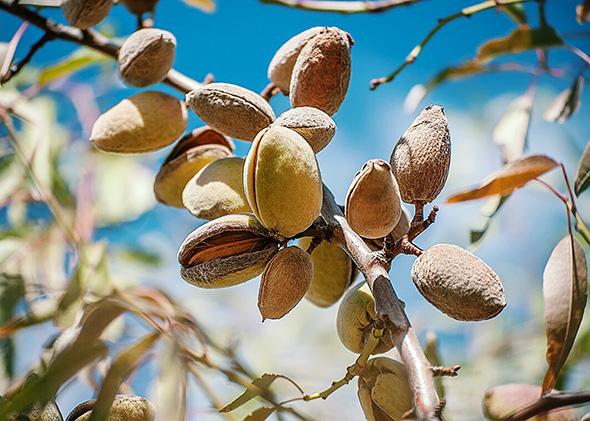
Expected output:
(236, 43)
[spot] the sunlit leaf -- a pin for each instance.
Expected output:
(260, 414)
(125, 363)
(488, 211)
(76, 61)
(566, 103)
(205, 5)
(510, 134)
(171, 386)
(508, 178)
(43, 3)
(516, 12)
(583, 11)
(521, 39)
(583, 176)
(259, 387)
(565, 290)
(124, 189)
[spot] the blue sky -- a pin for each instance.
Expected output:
(236, 44)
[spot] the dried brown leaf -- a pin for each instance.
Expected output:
(521, 39)
(565, 288)
(566, 103)
(583, 12)
(508, 178)
(258, 387)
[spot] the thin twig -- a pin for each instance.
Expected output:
(14, 69)
(446, 371)
(347, 7)
(269, 91)
(548, 402)
(89, 38)
(466, 12)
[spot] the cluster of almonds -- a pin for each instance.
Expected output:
(256, 205)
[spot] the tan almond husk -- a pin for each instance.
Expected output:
(226, 251)
(373, 204)
(314, 125)
(422, 156)
(84, 14)
(284, 282)
(124, 408)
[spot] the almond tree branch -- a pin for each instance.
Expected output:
(90, 38)
(15, 68)
(466, 12)
(548, 402)
(390, 309)
(347, 7)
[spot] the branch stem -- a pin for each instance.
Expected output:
(548, 402)
(466, 12)
(89, 38)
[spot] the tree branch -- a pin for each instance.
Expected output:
(347, 7)
(90, 38)
(466, 12)
(388, 306)
(548, 402)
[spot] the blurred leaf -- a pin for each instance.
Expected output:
(488, 211)
(11, 292)
(76, 61)
(510, 134)
(259, 387)
(65, 365)
(125, 363)
(508, 178)
(583, 176)
(566, 103)
(205, 5)
(516, 12)
(124, 189)
(583, 12)
(418, 92)
(171, 386)
(433, 356)
(140, 255)
(565, 291)
(260, 414)
(521, 39)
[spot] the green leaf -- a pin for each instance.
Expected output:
(11, 292)
(204, 5)
(259, 387)
(521, 39)
(566, 103)
(583, 176)
(260, 414)
(565, 292)
(122, 367)
(78, 60)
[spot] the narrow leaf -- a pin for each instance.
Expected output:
(510, 134)
(521, 39)
(566, 103)
(516, 13)
(583, 12)
(204, 5)
(122, 367)
(565, 291)
(78, 60)
(259, 387)
(260, 414)
(583, 175)
(508, 178)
